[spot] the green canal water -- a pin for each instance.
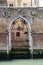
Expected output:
(23, 62)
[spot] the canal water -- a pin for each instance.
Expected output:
(23, 62)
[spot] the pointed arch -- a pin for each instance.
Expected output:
(28, 22)
(29, 29)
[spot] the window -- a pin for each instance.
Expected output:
(10, 4)
(24, 4)
(18, 34)
(25, 32)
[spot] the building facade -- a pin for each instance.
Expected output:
(21, 29)
(3, 2)
(21, 26)
(21, 3)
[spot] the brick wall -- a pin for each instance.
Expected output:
(3, 39)
(37, 39)
(18, 41)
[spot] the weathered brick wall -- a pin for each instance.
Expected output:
(37, 39)
(36, 22)
(18, 41)
(3, 39)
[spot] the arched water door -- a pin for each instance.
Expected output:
(20, 36)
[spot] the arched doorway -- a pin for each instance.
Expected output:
(20, 34)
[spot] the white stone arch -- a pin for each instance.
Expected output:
(29, 27)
